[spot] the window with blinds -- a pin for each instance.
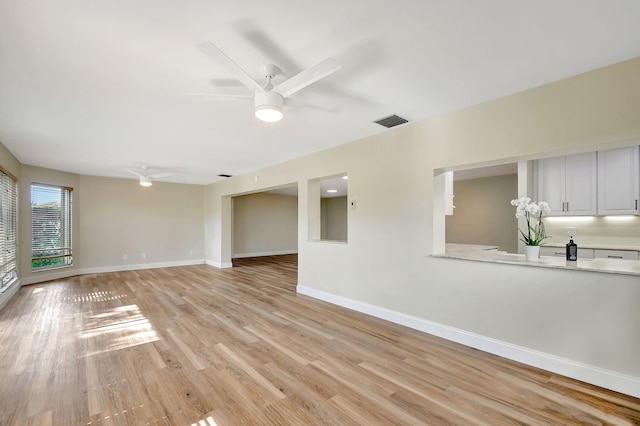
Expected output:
(50, 227)
(8, 230)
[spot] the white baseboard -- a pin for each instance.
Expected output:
(65, 273)
(608, 379)
(220, 265)
(264, 253)
(119, 268)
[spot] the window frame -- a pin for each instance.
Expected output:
(60, 254)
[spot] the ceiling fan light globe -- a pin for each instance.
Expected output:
(269, 113)
(145, 181)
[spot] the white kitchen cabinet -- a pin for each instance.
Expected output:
(568, 184)
(551, 184)
(616, 254)
(619, 181)
(583, 253)
(589, 253)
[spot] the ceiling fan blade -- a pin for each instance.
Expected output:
(160, 175)
(132, 172)
(307, 77)
(220, 95)
(217, 55)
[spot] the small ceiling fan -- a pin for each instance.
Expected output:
(145, 177)
(268, 100)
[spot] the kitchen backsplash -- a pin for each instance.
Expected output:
(623, 231)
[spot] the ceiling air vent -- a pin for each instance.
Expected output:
(224, 175)
(391, 121)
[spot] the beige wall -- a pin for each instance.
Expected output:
(334, 218)
(113, 217)
(483, 213)
(119, 217)
(265, 224)
(386, 263)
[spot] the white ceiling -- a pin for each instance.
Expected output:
(93, 87)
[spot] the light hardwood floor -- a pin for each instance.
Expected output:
(199, 345)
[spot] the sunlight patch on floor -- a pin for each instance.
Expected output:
(120, 327)
(95, 296)
(206, 422)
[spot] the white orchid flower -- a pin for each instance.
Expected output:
(544, 207)
(536, 232)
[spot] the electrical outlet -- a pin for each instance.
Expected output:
(571, 231)
(143, 255)
(125, 257)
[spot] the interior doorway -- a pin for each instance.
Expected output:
(265, 223)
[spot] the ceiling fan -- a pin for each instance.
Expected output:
(145, 177)
(268, 100)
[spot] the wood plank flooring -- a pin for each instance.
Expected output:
(201, 346)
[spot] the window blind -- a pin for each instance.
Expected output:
(8, 229)
(51, 208)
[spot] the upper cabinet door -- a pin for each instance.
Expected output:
(568, 184)
(551, 184)
(581, 184)
(618, 181)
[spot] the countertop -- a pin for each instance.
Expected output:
(612, 266)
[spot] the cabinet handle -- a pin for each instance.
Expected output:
(614, 257)
(636, 204)
(563, 206)
(559, 253)
(567, 206)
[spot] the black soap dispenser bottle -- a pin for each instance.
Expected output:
(572, 248)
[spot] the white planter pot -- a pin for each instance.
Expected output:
(532, 253)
